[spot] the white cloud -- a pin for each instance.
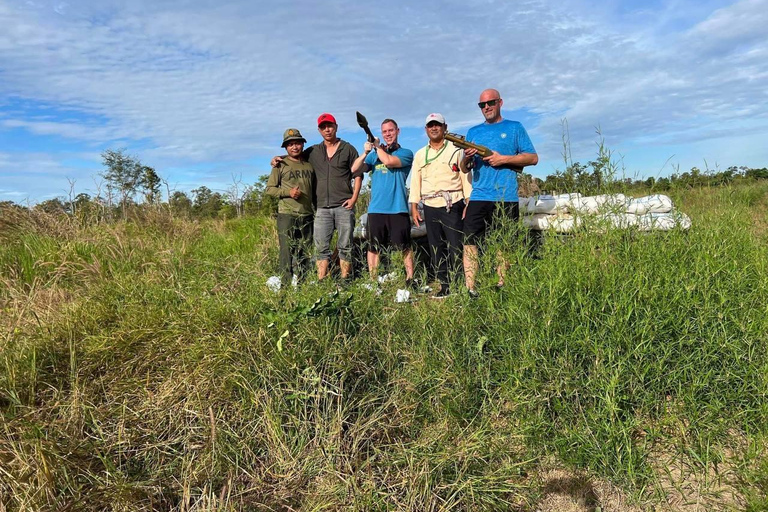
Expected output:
(210, 82)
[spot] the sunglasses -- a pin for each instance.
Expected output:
(490, 103)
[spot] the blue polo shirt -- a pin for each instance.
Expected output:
(507, 138)
(388, 190)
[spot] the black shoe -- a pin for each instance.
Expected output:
(412, 285)
(473, 294)
(443, 292)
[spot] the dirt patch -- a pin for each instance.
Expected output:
(684, 485)
(569, 491)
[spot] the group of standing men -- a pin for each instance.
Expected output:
(463, 194)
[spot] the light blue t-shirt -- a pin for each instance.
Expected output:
(388, 190)
(507, 138)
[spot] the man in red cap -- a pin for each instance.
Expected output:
(336, 194)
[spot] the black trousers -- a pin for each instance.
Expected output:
(445, 235)
(294, 234)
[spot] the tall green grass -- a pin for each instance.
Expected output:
(169, 377)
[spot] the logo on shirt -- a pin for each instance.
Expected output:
(503, 135)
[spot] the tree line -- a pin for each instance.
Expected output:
(127, 185)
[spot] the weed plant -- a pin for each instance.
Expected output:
(145, 366)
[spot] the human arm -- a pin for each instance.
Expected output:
(390, 160)
(415, 215)
(517, 161)
(466, 185)
(361, 163)
(350, 203)
(277, 159)
(273, 187)
(414, 193)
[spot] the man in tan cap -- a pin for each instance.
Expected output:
(437, 180)
(292, 180)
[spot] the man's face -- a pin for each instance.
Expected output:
(436, 131)
(294, 148)
(389, 133)
(490, 104)
(328, 131)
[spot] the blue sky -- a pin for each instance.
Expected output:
(202, 90)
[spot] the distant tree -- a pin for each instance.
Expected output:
(206, 202)
(82, 200)
(265, 204)
(758, 174)
(53, 206)
(123, 173)
(180, 204)
(150, 185)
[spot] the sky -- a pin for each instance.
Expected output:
(203, 90)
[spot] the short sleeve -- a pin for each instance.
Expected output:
(405, 156)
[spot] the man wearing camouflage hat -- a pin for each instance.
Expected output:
(337, 191)
(292, 180)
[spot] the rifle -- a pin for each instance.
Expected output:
(461, 141)
(363, 122)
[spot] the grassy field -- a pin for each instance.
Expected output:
(145, 366)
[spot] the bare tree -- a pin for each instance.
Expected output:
(237, 192)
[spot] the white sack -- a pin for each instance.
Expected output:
(551, 204)
(616, 220)
(600, 203)
(657, 203)
(663, 221)
(557, 223)
(523, 202)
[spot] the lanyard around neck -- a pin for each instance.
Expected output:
(426, 155)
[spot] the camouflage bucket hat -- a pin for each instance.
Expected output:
(292, 134)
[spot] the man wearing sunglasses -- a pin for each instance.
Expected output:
(332, 160)
(494, 197)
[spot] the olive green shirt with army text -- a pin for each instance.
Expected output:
(287, 175)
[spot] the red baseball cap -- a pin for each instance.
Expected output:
(326, 118)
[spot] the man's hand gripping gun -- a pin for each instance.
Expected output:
(461, 142)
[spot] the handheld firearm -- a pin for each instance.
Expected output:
(363, 122)
(461, 142)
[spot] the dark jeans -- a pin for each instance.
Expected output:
(294, 235)
(444, 233)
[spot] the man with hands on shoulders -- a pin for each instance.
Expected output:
(332, 161)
